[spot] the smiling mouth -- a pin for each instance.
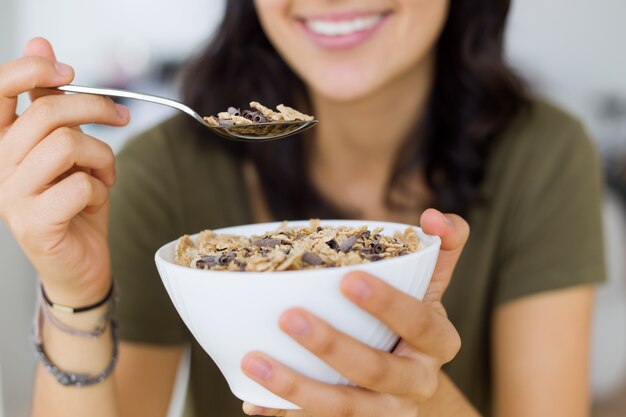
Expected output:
(339, 31)
(343, 27)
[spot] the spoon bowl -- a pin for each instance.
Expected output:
(262, 132)
(254, 132)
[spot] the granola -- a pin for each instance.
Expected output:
(258, 114)
(294, 248)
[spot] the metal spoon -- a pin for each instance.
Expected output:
(256, 132)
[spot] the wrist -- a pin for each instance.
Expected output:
(74, 298)
(89, 319)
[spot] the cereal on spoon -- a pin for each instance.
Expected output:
(258, 114)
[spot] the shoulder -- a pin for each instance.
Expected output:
(543, 131)
(541, 142)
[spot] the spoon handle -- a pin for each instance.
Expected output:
(70, 88)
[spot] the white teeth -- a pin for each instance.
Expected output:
(342, 27)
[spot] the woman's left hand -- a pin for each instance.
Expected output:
(392, 384)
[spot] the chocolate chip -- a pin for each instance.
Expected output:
(319, 228)
(312, 259)
(267, 242)
(347, 244)
(332, 243)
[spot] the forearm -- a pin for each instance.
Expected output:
(448, 401)
(79, 355)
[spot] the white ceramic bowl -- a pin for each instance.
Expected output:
(233, 313)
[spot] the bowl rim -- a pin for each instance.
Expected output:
(433, 245)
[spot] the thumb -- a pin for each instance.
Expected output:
(40, 47)
(453, 231)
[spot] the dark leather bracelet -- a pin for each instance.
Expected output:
(74, 310)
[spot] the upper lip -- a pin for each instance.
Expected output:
(339, 16)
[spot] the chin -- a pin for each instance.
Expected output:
(343, 86)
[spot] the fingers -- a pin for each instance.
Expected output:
(417, 323)
(317, 398)
(362, 365)
(42, 48)
(58, 153)
(454, 232)
(65, 200)
(25, 74)
(255, 410)
(51, 112)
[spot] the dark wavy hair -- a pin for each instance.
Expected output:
(474, 96)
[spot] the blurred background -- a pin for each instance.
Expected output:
(571, 51)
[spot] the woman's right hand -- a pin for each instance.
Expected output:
(54, 179)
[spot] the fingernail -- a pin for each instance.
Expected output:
(253, 410)
(122, 111)
(63, 70)
(446, 219)
(256, 411)
(296, 324)
(357, 288)
(258, 367)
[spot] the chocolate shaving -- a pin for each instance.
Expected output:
(332, 243)
(249, 114)
(312, 259)
(259, 118)
(377, 248)
(267, 242)
(210, 261)
(347, 244)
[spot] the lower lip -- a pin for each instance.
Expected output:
(343, 41)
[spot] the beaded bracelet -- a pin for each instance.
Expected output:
(73, 379)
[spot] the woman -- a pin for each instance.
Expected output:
(417, 110)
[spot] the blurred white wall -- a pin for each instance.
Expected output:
(16, 283)
(573, 52)
(6, 29)
(103, 38)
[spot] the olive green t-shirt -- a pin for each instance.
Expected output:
(539, 229)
